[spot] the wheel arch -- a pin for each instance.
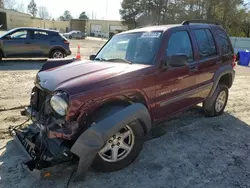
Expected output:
(223, 75)
(56, 48)
(115, 101)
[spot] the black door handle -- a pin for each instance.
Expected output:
(27, 42)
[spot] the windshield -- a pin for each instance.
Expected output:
(139, 48)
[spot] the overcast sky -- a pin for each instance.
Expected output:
(57, 7)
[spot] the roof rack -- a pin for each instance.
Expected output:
(187, 22)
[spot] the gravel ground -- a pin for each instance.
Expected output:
(195, 151)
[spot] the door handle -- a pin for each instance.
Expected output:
(27, 43)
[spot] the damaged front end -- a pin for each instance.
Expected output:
(48, 140)
(52, 143)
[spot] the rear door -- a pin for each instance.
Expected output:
(224, 46)
(41, 43)
(209, 59)
(175, 87)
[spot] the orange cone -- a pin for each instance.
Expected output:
(78, 55)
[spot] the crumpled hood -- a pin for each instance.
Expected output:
(85, 75)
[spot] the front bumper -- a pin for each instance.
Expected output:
(40, 163)
(68, 52)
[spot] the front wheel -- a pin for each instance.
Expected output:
(121, 149)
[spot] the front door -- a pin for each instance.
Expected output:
(175, 86)
(18, 44)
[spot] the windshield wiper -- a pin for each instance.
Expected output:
(119, 60)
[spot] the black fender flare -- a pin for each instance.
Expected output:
(93, 139)
(227, 69)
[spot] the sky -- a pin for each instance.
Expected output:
(98, 7)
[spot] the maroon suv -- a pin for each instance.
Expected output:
(99, 111)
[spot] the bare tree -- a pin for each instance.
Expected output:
(9, 4)
(43, 13)
(20, 7)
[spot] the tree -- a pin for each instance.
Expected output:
(20, 7)
(131, 10)
(66, 16)
(44, 13)
(83, 16)
(32, 8)
(9, 4)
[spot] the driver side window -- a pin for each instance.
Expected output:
(179, 44)
(21, 34)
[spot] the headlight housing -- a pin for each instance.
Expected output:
(59, 103)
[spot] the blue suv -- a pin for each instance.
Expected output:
(33, 42)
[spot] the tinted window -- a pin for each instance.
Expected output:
(225, 45)
(21, 34)
(179, 43)
(205, 42)
(211, 42)
(41, 35)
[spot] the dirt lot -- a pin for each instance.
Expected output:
(195, 152)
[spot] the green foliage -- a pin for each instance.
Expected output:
(83, 16)
(234, 15)
(66, 16)
(32, 8)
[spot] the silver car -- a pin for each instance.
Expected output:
(75, 34)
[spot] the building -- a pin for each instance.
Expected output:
(100, 28)
(11, 19)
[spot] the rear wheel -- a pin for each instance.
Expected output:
(215, 105)
(122, 148)
(57, 54)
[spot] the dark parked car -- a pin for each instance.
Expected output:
(109, 103)
(33, 42)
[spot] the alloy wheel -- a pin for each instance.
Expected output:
(118, 146)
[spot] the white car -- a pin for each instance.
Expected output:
(75, 34)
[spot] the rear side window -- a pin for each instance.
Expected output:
(224, 43)
(206, 42)
(41, 35)
(179, 43)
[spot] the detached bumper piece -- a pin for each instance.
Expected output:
(44, 156)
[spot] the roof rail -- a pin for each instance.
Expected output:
(187, 22)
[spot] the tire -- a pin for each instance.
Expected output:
(101, 163)
(70, 37)
(211, 105)
(55, 54)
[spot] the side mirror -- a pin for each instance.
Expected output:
(92, 57)
(177, 61)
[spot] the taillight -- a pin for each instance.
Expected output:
(66, 41)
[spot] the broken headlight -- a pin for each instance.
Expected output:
(59, 103)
